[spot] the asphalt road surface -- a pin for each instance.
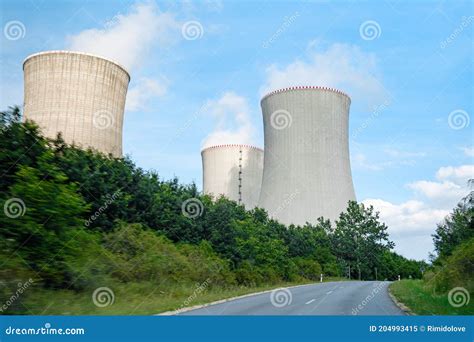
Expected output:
(332, 298)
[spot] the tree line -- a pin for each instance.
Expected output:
(453, 258)
(73, 217)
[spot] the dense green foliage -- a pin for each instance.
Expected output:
(452, 269)
(90, 219)
(454, 244)
(456, 229)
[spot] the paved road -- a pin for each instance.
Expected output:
(332, 298)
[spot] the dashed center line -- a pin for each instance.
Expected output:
(310, 301)
(329, 292)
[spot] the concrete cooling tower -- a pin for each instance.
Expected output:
(78, 94)
(234, 171)
(307, 171)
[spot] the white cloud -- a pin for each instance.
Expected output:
(450, 187)
(460, 174)
(342, 66)
(408, 217)
(392, 152)
(360, 160)
(468, 151)
(128, 38)
(441, 193)
(398, 159)
(418, 218)
(233, 125)
(214, 5)
(144, 90)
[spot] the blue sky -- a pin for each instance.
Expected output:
(199, 69)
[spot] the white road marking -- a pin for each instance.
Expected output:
(310, 301)
(329, 292)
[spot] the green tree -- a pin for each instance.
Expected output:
(51, 215)
(457, 228)
(359, 239)
(20, 144)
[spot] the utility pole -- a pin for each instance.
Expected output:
(376, 273)
(349, 272)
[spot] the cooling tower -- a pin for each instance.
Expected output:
(234, 171)
(307, 171)
(78, 94)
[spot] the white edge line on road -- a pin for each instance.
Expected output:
(178, 311)
(329, 292)
(310, 301)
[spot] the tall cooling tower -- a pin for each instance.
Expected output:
(78, 94)
(307, 171)
(234, 171)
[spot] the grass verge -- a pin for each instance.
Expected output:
(136, 298)
(422, 301)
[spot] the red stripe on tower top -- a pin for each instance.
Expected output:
(334, 90)
(232, 145)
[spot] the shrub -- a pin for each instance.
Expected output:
(308, 268)
(456, 270)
